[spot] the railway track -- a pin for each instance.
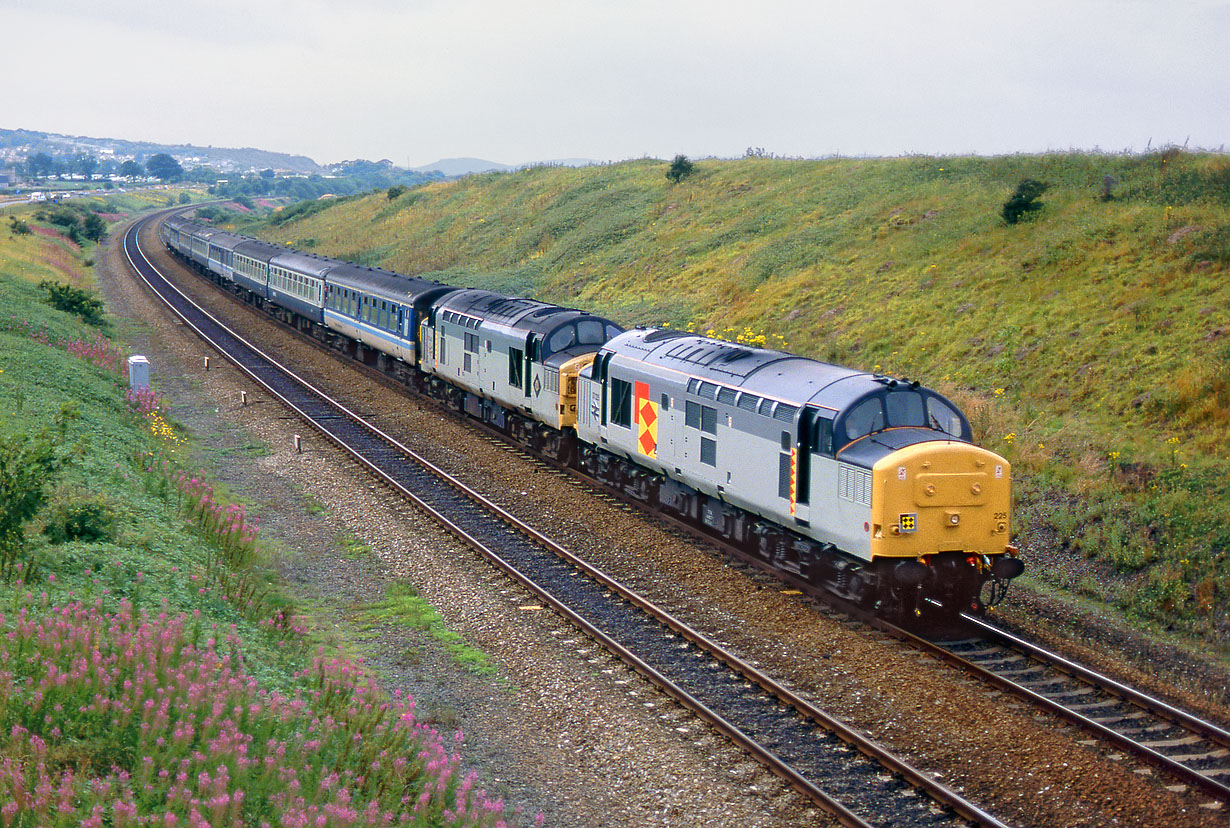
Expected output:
(857, 781)
(1184, 747)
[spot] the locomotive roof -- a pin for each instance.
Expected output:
(384, 283)
(528, 315)
(761, 371)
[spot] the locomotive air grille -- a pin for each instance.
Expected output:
(854, 484)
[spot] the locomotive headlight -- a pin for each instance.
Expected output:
(952, 518)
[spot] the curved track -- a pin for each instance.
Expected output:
(843, 772)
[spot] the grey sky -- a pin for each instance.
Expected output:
(525, 80)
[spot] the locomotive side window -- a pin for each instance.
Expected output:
(864, 418)
(822, 439)
(621, 403)
(516, 367)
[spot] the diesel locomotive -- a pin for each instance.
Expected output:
(865, 485)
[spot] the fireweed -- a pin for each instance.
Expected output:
(125, 719)
(98, 351)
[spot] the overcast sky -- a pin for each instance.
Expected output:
(516, 81)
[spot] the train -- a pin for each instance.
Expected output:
(864, 485)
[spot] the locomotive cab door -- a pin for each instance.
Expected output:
(804, 428)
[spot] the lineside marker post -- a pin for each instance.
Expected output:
(298, 445)
(243, 396)
(206, 363)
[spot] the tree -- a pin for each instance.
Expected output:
(131, 169)
(680, 169)
(267, 174)
(29, 465)
(40, 164)
(164, 167)
(1024, 201)
(93, 227)
(86, 165)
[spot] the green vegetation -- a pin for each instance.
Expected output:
(1090, 345)
(117, 562)
(403, 605)
(164, 167)
(74, 300)
(680, 169)
(1024, 202)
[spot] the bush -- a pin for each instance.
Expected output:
(28, 465)
(680, 169)
(19, 228)
(74, 300)
(93, 227)
(395, 191)
(64, 217)
(76, 516)
(1024, 201)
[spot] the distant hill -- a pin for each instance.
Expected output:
(463, 166)
(454, 167)
(222, 159)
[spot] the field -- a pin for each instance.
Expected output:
(1089, 343)
(152, 668)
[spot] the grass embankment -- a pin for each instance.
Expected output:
(1090, 344)
(151, 670)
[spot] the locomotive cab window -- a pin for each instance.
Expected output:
(864, 418)
(943, 417)
(905, 409)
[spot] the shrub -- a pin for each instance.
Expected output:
(28, 465)
(63, 216)
(93, 227)
(395, 191)
(19, 228)
(1024, 201)
(76, 516)
(74, 300)
(680, 169)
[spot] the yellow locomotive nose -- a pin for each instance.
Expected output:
(940, 496)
